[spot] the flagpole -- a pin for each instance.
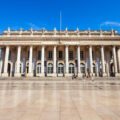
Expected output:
(60, 21)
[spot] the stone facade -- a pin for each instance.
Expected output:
(59, 53)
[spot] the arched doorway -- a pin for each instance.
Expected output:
(94, 69)
(27, 68)
(112, 73)
(60, 69)
(50, 69)
(71, 68)
(82, 68)
(38, 69)
(9, 69)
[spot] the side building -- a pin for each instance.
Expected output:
(59, 53)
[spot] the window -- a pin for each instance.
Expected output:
(49, 54)
(60, 54)
(50, 68)
(94, 69)
(111, 55)
(70, 55)
(81, 55)
(9, 55)
(20, 68)
(28, 54)
(60, 68)
(27, 67)
(82, 68)
(39, 68)
(92, 55)
(71, 68)
(39, 55)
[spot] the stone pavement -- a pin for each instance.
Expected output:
(60, 100)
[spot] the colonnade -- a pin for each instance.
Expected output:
(30, 72)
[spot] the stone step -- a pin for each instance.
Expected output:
(57, 78)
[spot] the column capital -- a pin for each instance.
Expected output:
(31, 45)
(55, 45)
(19, 46)
(43, 46)
(66, 45)
(7, 46)
(114, 46)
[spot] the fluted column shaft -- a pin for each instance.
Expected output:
(1, 61)
(90, 60)
(78, 56)
(114, 59)
(18, 61)
(54, 60)
(103, 60)
(30, 73)
(66, 59)
(118, 54)
(6, 61)
(42, 60)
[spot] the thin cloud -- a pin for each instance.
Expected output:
(109, 23)
(34, 26)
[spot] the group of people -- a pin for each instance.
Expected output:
(83, 77)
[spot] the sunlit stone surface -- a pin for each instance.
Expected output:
(60, 100)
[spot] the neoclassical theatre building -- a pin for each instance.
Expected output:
(55, 53)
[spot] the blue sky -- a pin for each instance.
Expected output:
(46, 13)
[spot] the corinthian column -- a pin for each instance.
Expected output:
(66, 61)
(30, 72)
(90, 60)
(118, 54)
(1, 61)
(17, 74)
(54, 62)
(103, 62)
(5, 73)
(115, 61)
(78, 56)
(42, 61)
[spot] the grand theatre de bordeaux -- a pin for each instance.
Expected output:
(59, 53)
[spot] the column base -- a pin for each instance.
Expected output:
(97, 74)
(54, 75)
(67, 75)
(5, 75)
(42, 74)
(17, 74)
(80, 75)
(108, 75)
(117, 74)
(30, 75)
(91, 74)
(104, 75)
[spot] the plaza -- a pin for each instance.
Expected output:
(64, 99)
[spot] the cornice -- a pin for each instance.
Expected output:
(116, 38)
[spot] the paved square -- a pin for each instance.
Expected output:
(59, 100)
